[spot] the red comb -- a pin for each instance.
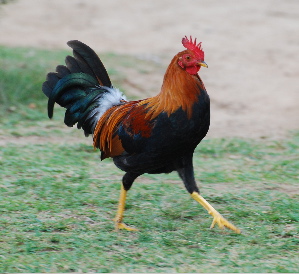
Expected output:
(196, 48)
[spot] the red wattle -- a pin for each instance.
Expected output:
(193, 70)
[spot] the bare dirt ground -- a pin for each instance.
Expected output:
(251, 47)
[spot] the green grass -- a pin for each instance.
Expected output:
(57, 201)
(22, 73)
(5, 1)
(57, 205)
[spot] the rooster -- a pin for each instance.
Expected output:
(154, 135)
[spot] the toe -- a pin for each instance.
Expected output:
(124, 226)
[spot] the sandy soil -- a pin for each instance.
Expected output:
(251, 47)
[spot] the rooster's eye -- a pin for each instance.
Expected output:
(188, 58)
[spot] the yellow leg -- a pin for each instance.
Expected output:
(120, 212)
(218, 219)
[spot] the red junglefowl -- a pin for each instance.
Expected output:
(154, 135)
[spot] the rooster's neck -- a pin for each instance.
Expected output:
(179, 90)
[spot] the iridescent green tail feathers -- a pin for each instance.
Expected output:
(83, 87)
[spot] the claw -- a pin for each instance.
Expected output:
(222, 222)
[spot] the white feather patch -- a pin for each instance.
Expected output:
(111, 98)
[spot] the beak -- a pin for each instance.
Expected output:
(203, 64)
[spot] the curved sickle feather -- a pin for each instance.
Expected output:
(71, 80)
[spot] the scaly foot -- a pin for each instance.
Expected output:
(222, 222)
(218, 219)
(120, 212)
(119, 225)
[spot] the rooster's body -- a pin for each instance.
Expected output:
(154, 135)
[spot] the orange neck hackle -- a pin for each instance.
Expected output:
(179, 89)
